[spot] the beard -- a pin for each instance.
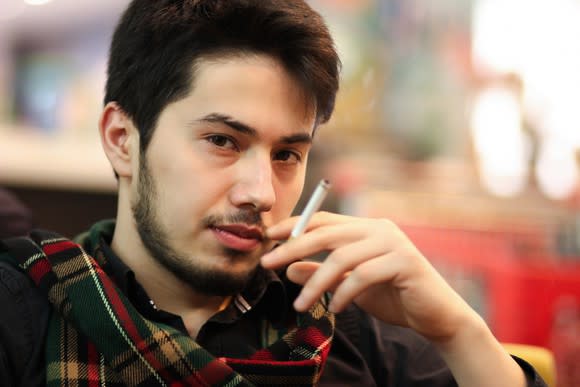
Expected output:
(204, 280)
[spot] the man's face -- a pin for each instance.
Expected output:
(224, 163)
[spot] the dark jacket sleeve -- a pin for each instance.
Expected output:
(413, 361)
(366, 352)
(534, 379)
(400, 357)
(23, 325)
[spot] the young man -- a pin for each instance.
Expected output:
(210, 111)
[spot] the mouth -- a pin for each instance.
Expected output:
(238, 236)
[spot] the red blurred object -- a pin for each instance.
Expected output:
(526, 295)
(573, 202)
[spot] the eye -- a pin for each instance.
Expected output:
(222, 141)
(288, 157)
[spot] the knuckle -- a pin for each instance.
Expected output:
(336, 258)
(387, 224)
(327, 238)
(362, 274)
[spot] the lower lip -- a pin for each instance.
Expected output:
(234, 241)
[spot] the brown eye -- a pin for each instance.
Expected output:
(288, 157)
(221, 141)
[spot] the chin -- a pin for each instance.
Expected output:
(220, 282)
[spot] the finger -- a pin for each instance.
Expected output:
(283, 229)
(340, 262)
(313, 242)
(379, 270)
(300, 272)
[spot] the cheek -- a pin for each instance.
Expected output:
(286, 199)
(186, 197)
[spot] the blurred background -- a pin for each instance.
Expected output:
(457, 119)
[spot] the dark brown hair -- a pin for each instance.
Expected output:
(157, 43)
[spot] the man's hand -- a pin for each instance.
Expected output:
(372, 263)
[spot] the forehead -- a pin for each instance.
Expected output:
(243, 75)
(256, 89)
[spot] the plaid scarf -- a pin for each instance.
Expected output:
(97, 338)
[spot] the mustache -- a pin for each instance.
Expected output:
(249, 217)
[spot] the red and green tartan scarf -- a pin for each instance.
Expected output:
(96, 337)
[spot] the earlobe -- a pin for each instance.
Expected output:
(117, 132)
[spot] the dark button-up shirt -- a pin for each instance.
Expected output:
(365, 351)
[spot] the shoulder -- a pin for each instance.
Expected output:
(22, 303)
(23, 306)
(23, 322)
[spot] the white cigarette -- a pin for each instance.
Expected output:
(312, 206)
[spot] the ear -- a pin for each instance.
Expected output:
(120, 139)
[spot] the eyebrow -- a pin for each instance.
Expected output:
(219, 118)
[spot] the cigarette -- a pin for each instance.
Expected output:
(312, 206)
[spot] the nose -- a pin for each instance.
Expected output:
(254, 185)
